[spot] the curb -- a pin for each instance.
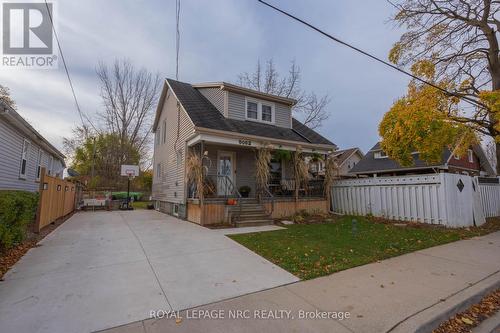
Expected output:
(429, 319)
(490, 325)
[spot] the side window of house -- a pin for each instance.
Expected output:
(252, 112)
(158, 171)
(470, 155)
(24, 159)
(39, 164)
(164, 131)
(50, 166)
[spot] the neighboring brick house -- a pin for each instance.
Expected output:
(226, 125)
(377, 163)
(23, 153)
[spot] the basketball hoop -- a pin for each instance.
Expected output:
(129, 171)
(130, 174)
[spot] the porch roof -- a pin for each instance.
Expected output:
(203, 114)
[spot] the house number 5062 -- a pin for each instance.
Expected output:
(245, 142)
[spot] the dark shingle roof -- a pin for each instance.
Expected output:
(371, 164)
(204, 114)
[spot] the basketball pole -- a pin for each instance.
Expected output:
(128, 193)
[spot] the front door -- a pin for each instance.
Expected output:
(225, 168)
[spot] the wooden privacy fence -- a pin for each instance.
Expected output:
(448, 199)
(57, 200)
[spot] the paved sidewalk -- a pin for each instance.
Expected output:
(103, 269)
(378, 296)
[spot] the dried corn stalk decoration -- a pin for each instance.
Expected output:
(331, 173)
(195, 173)
(301, 171)
(262, 172)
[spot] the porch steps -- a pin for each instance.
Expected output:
(251, 214)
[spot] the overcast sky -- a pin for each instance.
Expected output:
(220, 39)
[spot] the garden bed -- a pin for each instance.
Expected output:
(8, 257)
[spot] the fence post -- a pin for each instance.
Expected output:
(443, 197)
(40, 197)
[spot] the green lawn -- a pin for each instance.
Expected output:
(312, 250)
(140, 204)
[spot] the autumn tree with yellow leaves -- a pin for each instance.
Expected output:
(453, 45)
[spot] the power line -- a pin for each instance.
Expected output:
(65, 67)
(465, 98)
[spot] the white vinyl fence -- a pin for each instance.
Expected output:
(489, 191)
(448, 199)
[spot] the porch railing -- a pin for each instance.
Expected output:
(266, 196)
(216, 186)
(286, 188)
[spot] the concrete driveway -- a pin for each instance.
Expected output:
(99, 270)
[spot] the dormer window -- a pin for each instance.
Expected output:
(252, 110)
(267, 113)
(380, 154)
(259, 111)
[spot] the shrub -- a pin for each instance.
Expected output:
(17, 211)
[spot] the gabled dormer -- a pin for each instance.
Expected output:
(240, 103)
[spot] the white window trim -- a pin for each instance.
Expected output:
(50, 166)
(26, 144)
(470, 155)
(39, 164)
(378, 155)
(259, 110)
(164, 132)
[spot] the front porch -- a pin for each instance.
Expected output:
(230, 182)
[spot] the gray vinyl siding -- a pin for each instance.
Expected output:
(170, 186)
(236, 110)
(11, 146)
(215, 96)
(352, 160)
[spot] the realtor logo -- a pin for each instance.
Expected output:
(27, 35)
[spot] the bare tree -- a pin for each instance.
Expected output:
(5, 96)
(460, 38)
(129, 96)
(310, 108)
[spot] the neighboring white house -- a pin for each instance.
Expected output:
(346, 160)
(23, 153)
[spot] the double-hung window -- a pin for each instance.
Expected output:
(24, 159)
(164, 132)
(50, 166)
(259, 111)
(470, 155)
(252, 110)
(39, 164)
(267, 113)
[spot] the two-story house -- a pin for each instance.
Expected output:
(226, 124)
(24, 152)
(377, 163)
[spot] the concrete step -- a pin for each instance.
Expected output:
(253, 223)
(249, 217)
